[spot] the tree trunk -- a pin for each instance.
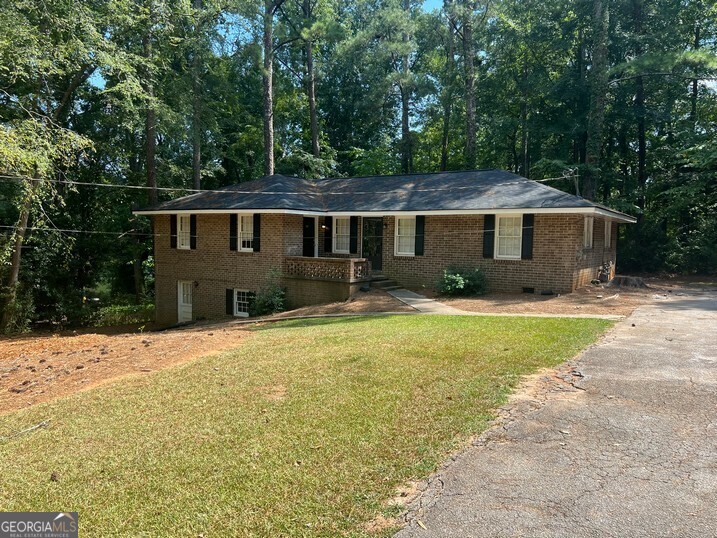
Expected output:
(197, 105)
(448, 90)
(524, 165)
(640, 110)
(267, 79)
(470, 98)
(598, 90)
(10, 291)
(150, 125)
(311, 84)
(138, 276)
(695, 82)
(405, 90)
(582, 104)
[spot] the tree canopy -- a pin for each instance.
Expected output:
(146, 99)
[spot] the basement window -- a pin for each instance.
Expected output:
(242, 299)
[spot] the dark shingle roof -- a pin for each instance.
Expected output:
(468, 190)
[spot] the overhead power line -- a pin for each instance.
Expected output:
(232, 191)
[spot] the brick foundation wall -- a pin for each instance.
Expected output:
(303, 292)
(458, 241)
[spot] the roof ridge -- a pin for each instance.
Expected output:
(439, 172)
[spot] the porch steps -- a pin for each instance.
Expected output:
(382, 282)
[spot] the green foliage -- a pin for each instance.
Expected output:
(457, 281)
(107, 316)
(270, 298)
(22, 311)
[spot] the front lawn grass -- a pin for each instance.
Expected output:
(304, 430)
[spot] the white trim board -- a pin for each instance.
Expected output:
(614, 216)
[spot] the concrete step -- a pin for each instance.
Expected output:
(384, 283)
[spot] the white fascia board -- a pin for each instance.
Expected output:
(614, 216)
(227, 212)
(617, 217)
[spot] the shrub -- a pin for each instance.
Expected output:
(457, 281)
(123, 315)
(20, 311)
(269, 299)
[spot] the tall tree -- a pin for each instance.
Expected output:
(270, 8)
(598, 96)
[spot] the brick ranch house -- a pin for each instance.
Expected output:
(326, 238)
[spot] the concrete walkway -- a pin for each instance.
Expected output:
(431, 306)
(424, 304)
(622, 442)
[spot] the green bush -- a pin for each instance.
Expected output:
(269, 299)
(456, 281)
(123, 315)
(21, 311)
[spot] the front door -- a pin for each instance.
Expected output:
(309, 237)
(373, 241)
(184, 300)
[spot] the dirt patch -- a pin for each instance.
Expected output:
(601, 299)
(363, 301)
(38, 368)
(273, 393)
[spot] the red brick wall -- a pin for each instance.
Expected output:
(213, 266)
(559, 263)
(458, 241)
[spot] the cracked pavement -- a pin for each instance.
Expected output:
(620, 442)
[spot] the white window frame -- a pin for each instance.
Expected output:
(346, 236)
(496, 246)
(608, 233)
(588, 232)
(247, 296)
(242, 232)
(411, 252)
(184, 232)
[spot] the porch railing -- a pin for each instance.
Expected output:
(334, 269)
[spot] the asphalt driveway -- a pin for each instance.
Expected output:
(625, 444)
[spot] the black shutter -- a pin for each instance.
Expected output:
(192, 231)
(420, 234)
(173, 231)
(353, 232)
(233, 227)
(328, 224)
(257, 232)
(230, 302)
(526, 250)
(488, 236)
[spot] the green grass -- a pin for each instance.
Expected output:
(212, 447)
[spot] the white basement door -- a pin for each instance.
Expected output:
(184, 301)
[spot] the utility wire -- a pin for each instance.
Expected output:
(8, 178)
(118, 234)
